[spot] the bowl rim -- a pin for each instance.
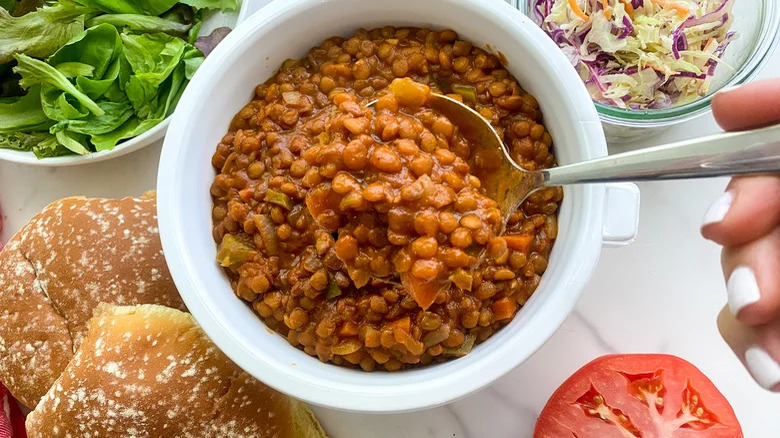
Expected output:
(769, 38)
(440, 390)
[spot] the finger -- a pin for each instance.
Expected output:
(749, 209)
(753, 279)
(757, 347)
(749, 106)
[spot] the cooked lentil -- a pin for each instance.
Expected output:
(359, 233)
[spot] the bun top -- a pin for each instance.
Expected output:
(150, 372)
(70, 257)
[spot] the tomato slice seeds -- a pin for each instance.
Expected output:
(638, 396)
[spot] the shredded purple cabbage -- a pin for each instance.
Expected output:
(628, 28)
(596, 64)
(713, 16)
(688, 74)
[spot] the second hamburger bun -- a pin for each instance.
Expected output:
(151, 372)
(70, 257)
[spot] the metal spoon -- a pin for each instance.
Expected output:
(737, 153)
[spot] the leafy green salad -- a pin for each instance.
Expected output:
(80, 76)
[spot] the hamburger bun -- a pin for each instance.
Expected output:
(150, 372)
(70, 257)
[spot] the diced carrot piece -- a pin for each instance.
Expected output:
(503, 308)
(246, 194)
(519, 242)
(323, 203)
(423, 291)
(322, 199)
(404, 324)
(349, 329)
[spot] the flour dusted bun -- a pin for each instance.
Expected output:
(150, 372)
(70, 257)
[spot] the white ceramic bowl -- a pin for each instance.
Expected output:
(226, 81)
(213, 20)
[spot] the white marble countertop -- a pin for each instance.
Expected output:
(659, 295)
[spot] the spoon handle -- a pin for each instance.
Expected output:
(735, 153)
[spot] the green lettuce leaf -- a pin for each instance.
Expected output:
(129, 129)
(23, 114)
(21, 141)
(187, 14)
(66, 10)
(17, 8)
(224, 5)
(155, 7)
(73, 142)
(8, 5)
(192, 36)
(60, 106)
(145, 7)
(141, 23)
(36, 72)
(180, 13)
(193, 58)
(164, 105)
(75, 69)
(42, 144)
(91, 60)
(95, 88)
(97, 46)
(155, 55)
(116, 114)
(152, 58)
(50, 147)
(173, 89)
(101, 86)
(33, 35)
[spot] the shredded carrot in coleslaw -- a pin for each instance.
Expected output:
(607, 9)
(649, 54)
(681, 10)
(577, 11)
(629, 8)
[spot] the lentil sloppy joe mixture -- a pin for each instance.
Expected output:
(359, 232)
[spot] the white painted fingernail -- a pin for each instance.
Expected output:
(718, 209)
(742, 289)
(763, 367)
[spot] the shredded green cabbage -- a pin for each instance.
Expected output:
(641, 54)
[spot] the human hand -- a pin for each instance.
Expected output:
(746, 222)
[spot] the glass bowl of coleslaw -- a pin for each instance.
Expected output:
(651, 64)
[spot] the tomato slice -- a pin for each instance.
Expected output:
(638, 396)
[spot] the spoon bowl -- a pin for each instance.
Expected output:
(755, 151)
(502, 178)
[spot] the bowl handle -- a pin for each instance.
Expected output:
(621, 215)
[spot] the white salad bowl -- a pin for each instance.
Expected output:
(589, 217)
(213, 20)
